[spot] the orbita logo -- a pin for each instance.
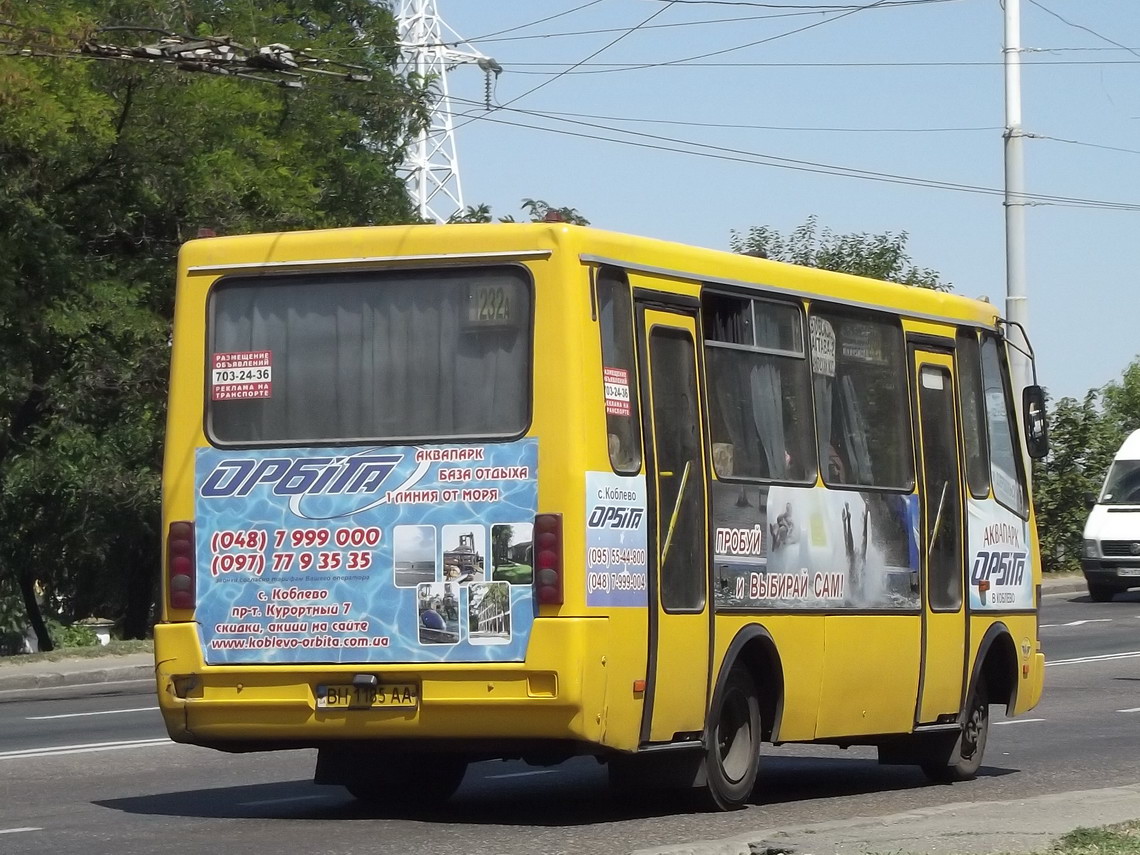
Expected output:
(302, 476)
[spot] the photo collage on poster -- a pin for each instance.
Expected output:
(392, 554)
(456, 598)
(780, 547)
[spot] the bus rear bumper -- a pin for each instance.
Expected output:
(554, 695)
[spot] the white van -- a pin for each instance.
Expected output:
(1111, 554)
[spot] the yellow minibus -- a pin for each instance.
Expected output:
(435, 494)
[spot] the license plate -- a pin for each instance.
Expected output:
(1128, 571)
(368, 697)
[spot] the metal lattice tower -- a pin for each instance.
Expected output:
(431, 167)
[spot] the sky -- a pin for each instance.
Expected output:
(603, 107)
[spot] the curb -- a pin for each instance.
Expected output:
(1077, 586)
(60, 679)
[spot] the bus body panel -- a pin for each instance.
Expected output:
(862, 694)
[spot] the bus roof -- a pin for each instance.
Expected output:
(375, 245)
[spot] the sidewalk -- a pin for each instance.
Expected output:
(39, 674)
(967, 828)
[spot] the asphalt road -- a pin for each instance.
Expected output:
(64, 788)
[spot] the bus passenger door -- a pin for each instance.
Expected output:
(942, 681)
(678, 662)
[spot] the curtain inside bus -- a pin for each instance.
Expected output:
(375, 356)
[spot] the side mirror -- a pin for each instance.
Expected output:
(1036, 423)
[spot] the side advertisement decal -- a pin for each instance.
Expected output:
(366, 555)
(998, 558)
(812, 548)
(616, 540)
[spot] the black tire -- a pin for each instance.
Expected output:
(732, 753)
(1101, 593)
(964, 755)
(423, 780)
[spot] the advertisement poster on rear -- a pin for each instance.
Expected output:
(366, 555)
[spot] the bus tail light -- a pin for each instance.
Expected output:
(180, 593)
(548, 559)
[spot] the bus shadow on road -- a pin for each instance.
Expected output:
(793, 779)
(472, 805)
(542, 798)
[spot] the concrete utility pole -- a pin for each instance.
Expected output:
(431, 165)
(1016, 299)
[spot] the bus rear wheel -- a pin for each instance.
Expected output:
(960, 759)
(382, 779)
(732, 754)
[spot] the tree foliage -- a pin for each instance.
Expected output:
(1122, 401)
(537, 210)
(879, 256)
(1081, 445)
(105, 168)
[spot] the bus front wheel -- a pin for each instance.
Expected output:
(960, 759)
(732, 754)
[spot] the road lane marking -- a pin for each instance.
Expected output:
(1105, 658)
(520, 774)
(26, 753)
(1077, 622)
(79, 714)
(1133, 709)
(284, 800)
(19, 830)
(1019, 721)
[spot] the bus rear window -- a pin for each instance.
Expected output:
(386, 355)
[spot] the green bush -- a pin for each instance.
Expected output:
(71, 636)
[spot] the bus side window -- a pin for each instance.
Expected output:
(759, 388)
(615, 318)
(859, 373)
(973, 406)
(1005, 462)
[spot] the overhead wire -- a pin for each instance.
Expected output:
(606, 67)
(738, 126)
(605, 30)
(826, 7)
(531, 24)
(854, 10)
(706, 150)
(1082, 143)
(1077, 26)
(600, 50)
